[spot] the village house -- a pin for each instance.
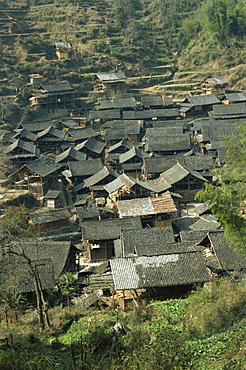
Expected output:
(113, 152)
(235, 97)
(92, 148)
(152, 114)
(221, 258)
(70, 155)
(54, 95)
(153, 212)
(170, 275)
(123, 129)
(25, 135)
(156, 101)
(52, 139)
(179, 179)
(131, 162)
(51, 219)
(198, 105)
(63, 50)
(125, 187)
(110, 84)
(20, 152)
(225, 111)
(37, 176)
(98, 236)
(214, 85)
(168, 145)
(127, 103)
(53, 199)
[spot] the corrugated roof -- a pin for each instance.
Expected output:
(159, 271)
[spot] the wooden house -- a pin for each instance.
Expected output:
(25, 135)
(80, 134)
(35, 78)
(98, 236)
(233, 98)
(225, 111)
(20, 152)
(198, 105)
(63, 49)
(127, 103)
(168, 145)
(110, 84)
(70, 155)
(214, 85)
(54, 95)
(125, 187)
(179, 179)
(170, 275)
(152, 114)
(51, 219)
(50, 259)
(221, 258)
(52, 139)
(131, 162)
(153, 212)
(92, 148)
(156, 101)
(52, 199)
(113, 152)
(95, 183)
(78, 171)
(123, 129)
(38, 176)
(36, 126)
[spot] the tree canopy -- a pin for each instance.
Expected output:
(227, 198)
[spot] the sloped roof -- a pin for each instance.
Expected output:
(156, 100)
(146, 206)
(52, 131)
(208, 99)
(168, 143)
(118, 103)
(52, 194)
(172, 176)
(37, 126)
(26, 134)
(227, 257)
(229, 109)
(70, 153)
(192, 236)
(123, 143)
(125, 181)
(165, 131)
(99, 176)
(154, 236)
(54, 87)
(131, 153)
(114, 134)
(108, 229)
(148, 114)
(42, 166)
(216, 81)
(49, 258)
(85, 168)
(235, 97)
(91, 144)
(105, 114)
(111, 77)
(159, 271)
(50, 216)
(170, 123)
(24, 145)
(159, 165)
(205, 223)
(83, 132)
(199, 162)
(216, 131)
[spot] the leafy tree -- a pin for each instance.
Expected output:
(64, 285)
(227, 198)
(14, 224)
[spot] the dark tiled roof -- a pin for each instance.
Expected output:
(196, 100)
(159, 165)
(168, 143)
(108, 229)
(183, 223)
(205, 223)
(229, 109)
(165, 131)
(133, 152)
(91, 144)
(118, 103)
(216, 81)
(99, 176)
(70, 154)
(105, 114)
(148, 114)
(192, 236)
(55, 87)
(227, 257)
(54, 132)
(24, 145)
(86, 213)
(37, 126)
(199, 163)
(48, 257)
(123, 143)
(25, 134)
(85, 168)
(216, 131)
(170, 123)
(114, 134)
(52, 194)
(156, 100)
(154, 236)
(124, 181)
(83, 133)
(50, 216)
(235, 97)
(42, 166)
(159, 271)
